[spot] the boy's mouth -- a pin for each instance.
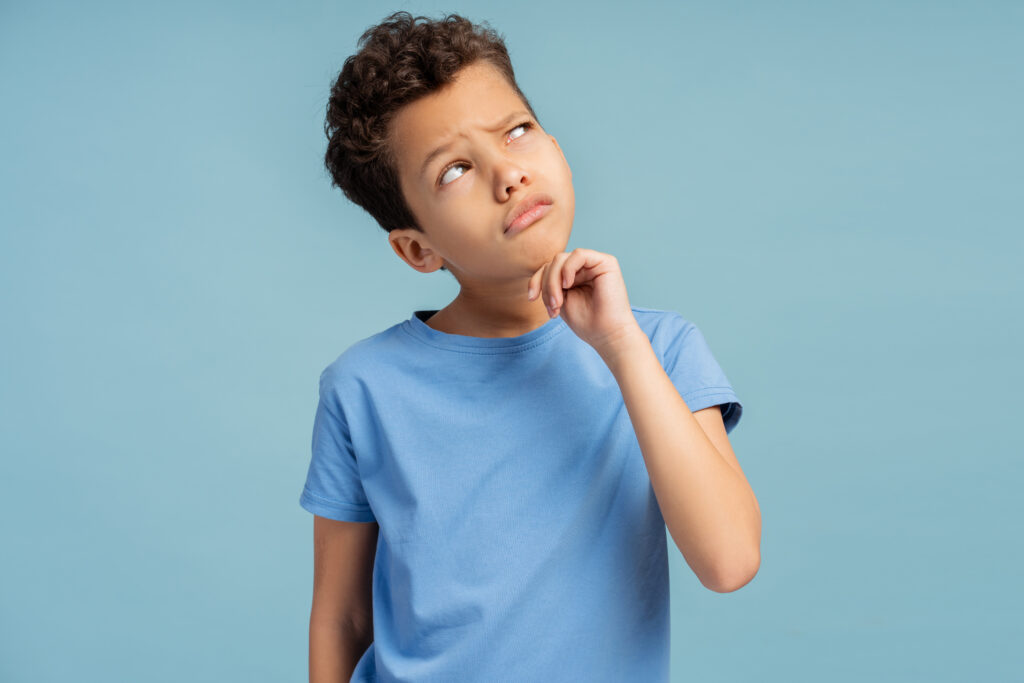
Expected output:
(527, 211)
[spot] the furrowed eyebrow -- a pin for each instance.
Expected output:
(441, 149)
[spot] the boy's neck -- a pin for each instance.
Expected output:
(459, 318)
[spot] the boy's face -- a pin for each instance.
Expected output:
(464, 207)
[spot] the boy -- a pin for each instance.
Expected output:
(491, 482)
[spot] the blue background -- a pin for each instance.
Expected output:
(832, 192)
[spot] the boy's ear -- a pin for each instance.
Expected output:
(413, 248)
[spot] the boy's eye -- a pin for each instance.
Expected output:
(450, 167)
(525, 125)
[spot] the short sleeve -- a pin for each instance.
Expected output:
(333, 488)
(697, 375)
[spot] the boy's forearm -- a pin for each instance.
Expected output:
(708, 507)
(334, 650)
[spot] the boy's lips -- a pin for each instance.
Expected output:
(528, 219)
(517, 217)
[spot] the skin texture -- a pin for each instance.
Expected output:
(341, 619)
(463, 221)
(708, 506)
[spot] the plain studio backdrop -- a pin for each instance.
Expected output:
(830, 191)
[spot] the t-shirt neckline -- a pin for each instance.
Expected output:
(416, 326)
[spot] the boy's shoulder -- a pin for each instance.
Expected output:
(656, 316)
(660, 324)
(363, 357)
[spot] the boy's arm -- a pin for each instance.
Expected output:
(341, 619)
(708, 506)
(334, 652)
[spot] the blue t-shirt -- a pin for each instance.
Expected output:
(519, 536)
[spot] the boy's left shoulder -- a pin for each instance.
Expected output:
(687, 358)
(660, 325)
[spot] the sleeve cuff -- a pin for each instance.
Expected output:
(713, 396)
(342, 512)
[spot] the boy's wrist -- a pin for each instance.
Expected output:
(621, 345)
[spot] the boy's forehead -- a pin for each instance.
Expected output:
(480, 100)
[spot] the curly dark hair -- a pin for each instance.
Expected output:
(399, 60)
